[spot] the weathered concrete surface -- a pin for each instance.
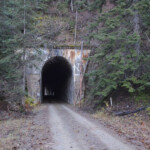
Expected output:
(33, 70)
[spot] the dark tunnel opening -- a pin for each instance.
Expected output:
(56, 80)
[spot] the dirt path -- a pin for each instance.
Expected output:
(58, 127)
(70, 130)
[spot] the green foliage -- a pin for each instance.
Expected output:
(63, 7)
(11, 34)
(97, 5)
(142, 97)
(148, 110)
(91, 6)
(17, 25)
(80, 4)
(119, 64)
(144, 9)
(29, 101)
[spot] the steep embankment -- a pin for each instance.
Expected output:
(61, 26)
(117, 32)
(118, 69)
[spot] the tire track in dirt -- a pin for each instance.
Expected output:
(70, 130)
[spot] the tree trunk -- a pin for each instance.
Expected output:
(4, 4)
(24, 17)
(71, 5)
(75, 34)
(136, 23)
(24, 50)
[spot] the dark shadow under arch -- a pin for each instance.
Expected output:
(56, 78)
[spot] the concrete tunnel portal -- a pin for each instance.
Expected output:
(56, 80)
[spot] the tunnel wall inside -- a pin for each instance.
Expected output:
(56, 79)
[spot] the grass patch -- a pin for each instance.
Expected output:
(143, 98)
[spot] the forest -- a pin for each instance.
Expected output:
(119, 39)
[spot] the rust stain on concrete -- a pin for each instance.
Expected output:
(72, 56)
(85, 56)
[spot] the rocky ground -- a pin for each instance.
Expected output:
(134, 128)
(19, 131)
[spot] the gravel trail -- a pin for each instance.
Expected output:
(72, 131)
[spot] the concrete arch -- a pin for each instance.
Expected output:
(56, 80)
(74, 57)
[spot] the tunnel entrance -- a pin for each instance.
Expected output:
(56, 80)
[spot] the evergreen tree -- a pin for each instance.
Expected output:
(17, 32)
(121, 55)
